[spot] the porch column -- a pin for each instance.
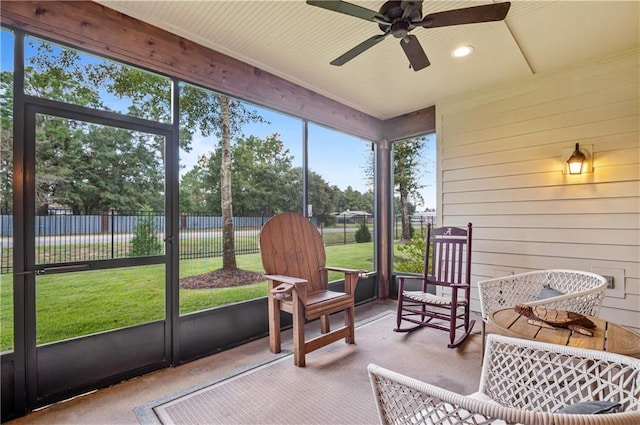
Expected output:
(384, 216)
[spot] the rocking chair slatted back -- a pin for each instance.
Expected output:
(292, 246)
(450, 249)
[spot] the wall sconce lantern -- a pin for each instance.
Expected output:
(576, 160)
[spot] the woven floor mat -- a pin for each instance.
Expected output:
(333, 388)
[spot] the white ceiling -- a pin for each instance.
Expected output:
(297, 41)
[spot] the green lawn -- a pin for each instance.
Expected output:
(81, 303)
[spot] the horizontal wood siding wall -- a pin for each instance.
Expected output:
(500, 167)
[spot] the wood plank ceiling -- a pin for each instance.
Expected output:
(297, 41)
(277, 53)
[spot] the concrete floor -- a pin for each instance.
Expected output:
(115, 404)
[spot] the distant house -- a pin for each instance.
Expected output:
(349, 216)
(423, 217)
(56, 208)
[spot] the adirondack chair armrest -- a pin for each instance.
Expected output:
(350, 277)
(343, 270)
(285, 279)
(287, 285)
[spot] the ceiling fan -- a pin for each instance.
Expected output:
(400, 17)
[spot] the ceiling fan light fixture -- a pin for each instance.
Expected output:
(462, 51)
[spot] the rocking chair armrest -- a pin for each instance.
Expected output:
(416, 277)
(433, 281)
(401, 280)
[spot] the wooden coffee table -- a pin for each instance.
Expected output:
(607, 336)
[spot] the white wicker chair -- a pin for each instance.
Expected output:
(582, 291)
(522, 382)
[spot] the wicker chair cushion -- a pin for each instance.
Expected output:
(591, 408)
(548, 292)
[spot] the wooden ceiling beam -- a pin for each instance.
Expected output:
(410, 125)
(101, 30)
(98, 29)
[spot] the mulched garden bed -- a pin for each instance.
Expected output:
(222, 279)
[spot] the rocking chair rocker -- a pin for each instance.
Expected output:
(443, 299)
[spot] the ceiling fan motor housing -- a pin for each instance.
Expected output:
(400, 29)
(394, 11)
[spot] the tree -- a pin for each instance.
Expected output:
(261, 167)
(407, 158)
(212, 113)
(353, 200)
(228, 237)
(192, 192)
(111, 168)
(260, 176)
(321, 195)
(145, 241)
(64, 75)
(84, 166)
(6, 140)
(407, 163)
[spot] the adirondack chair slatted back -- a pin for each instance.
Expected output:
(448, 254)
(291, 245)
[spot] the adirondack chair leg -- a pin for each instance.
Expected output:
(325, 326)
(274, 325)
(299, 349)
(349, 322)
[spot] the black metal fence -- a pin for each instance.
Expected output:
(62, 236)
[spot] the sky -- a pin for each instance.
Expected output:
(339, 158)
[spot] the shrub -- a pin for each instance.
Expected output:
(145, 241)
(363, 234)
(329, 220)
(410, 257)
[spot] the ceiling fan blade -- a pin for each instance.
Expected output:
(469, 15)
(412, 48)
(411, 7)
(367, 44)
(347, 9)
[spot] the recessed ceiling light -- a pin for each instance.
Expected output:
(462, 51)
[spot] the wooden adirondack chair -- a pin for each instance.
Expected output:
(294, 259)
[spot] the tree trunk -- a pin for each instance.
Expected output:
(404, 208)
(228, 243)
